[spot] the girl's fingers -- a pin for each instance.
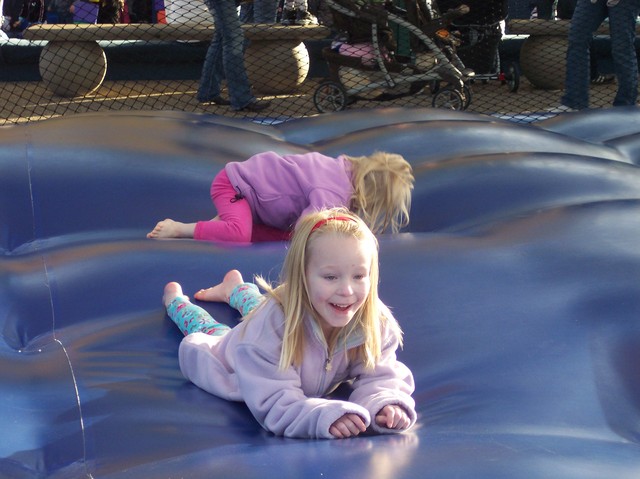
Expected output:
(348, 425)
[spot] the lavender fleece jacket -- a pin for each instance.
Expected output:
(282, 188)
(243, 366)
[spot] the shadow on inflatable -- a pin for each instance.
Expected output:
(517, 285)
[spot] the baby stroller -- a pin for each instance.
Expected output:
(363, 63)
(480, 35)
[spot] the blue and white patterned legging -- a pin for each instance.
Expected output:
(192, 319)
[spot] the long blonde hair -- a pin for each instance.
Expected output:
(293, 293)
(382, 185)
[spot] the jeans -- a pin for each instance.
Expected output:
(259, 11)
(264, 11)
(519, 9)
(545, 9)
(622, 25)
(225, 57)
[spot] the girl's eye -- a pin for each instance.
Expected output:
(330, 277)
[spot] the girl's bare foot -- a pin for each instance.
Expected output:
(221, 292)
(171, 291)
(172, 229)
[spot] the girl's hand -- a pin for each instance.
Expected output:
(393, 417)
(349, 425)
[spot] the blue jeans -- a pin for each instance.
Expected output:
(225, 57)
(622, 25)
(264, 11)
(545, 9)
(259, 11)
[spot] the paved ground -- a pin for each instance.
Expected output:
(30, 101)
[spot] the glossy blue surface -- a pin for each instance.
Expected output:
(517, 286)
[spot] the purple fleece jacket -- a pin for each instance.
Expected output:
(243, 366)
(282, 188)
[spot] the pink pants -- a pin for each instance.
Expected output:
(235, 220)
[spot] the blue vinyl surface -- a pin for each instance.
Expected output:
(517, 285)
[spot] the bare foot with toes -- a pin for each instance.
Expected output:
(171, 229)
(171, 291)
(221, 292)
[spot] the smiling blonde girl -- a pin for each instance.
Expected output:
(321, 326)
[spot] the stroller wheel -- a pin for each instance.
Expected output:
(512, 77)
(448, 98)
(330, 96)
(467, 96)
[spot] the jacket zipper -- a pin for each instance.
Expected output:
(327, 367)
(327, 364)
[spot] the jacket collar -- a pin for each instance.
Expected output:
(346, 341)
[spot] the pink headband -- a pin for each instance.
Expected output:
(330, 218)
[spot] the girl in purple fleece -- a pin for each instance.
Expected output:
(323, 325)
(262, 198)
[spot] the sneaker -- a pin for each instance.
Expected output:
(218, 100)
(561, 109)
(256, 106)
(288, 16)
(601, 79)
(303, 17)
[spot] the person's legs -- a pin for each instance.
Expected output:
(262, 233)
(264, 11)
(212, 70)
(622, 23)
(234, 222)
(234, 291)
(188, 317)
(227, 23)
(246, 12)
(586, 19)
(565, 8)
(245, 298)
(545, 9)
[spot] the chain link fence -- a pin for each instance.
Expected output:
(65, 58)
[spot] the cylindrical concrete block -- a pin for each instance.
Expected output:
(72, 69)
(276, 67)
(543, 61)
